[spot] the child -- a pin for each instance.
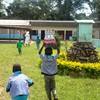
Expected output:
(49, 69)
(19, 46)
(37, 42)
(18, 84)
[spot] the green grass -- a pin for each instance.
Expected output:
(67, 88)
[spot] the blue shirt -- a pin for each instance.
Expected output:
(18, 84)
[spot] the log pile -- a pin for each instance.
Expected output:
(82, 52)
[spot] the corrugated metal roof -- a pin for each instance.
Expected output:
(58, 21)
(85, 21)
(14, 22)
(43, 23)
(50, 23)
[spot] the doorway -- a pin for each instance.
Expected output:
(61, 33)
(42, 34)
(68, 35)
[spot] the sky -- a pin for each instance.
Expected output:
(7, 2)
(87, 11)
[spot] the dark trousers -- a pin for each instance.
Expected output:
(50, 86)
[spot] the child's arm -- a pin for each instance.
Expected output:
(8, 86)
(7, 89)
(17, 44)
(41, 49)
(31, 83)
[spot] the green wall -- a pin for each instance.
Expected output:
(84, 32)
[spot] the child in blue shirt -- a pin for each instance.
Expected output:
(18, 84)
(37, 42)
(49, 69)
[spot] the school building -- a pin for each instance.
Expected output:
(14, 29)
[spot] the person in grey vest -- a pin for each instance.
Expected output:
(49, 69)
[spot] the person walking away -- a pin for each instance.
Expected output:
(18, 84)
(27, 38)
(37, 42)
(49, 69)
(19, 46)
(24, 38)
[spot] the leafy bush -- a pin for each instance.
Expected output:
(81, 69)
(58, 40)
(99, 56)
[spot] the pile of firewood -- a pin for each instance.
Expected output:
(82, 52)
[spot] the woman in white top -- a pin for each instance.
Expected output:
(27, 38)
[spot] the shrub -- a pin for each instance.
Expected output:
(58, 40)
(81, 69)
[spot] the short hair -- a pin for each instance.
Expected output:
(19, 40)
(16, 67)
(48, 51)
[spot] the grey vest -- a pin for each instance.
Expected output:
(49, 66)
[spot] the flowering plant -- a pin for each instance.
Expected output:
(89, 69)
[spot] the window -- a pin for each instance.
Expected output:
(34, 32)
(96, 34)
(3, 30)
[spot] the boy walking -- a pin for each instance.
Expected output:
(49, 69)
(19, 46)
(18, 84)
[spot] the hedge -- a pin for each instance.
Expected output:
(77, 69)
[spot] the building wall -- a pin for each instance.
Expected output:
(18, 33)
(52, 30)
(96, 37)
(10, 33)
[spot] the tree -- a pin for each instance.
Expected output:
(22, 9)
(2, 14)
(96, 5)
(45, 9)
(81, 16)
(67, 9)
(28, 9)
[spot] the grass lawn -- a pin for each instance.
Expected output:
(67, 88)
